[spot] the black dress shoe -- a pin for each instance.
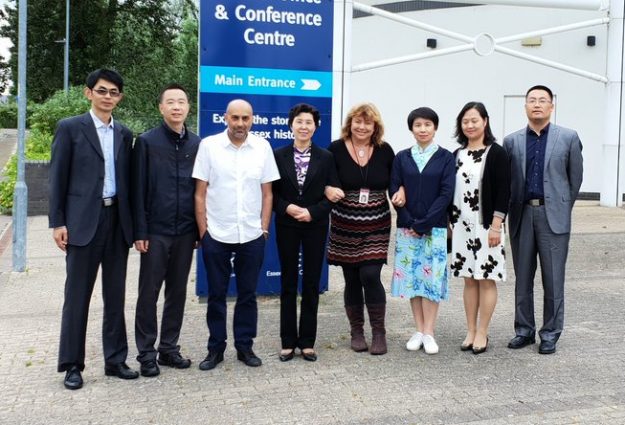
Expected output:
(249, 358)
(212, 360)
(480, 350)
(311, 356)
(149, 368)
(121, 370)
(287, 357)
(73, 379)
(520, 341)
(173, 360)
(547, 347)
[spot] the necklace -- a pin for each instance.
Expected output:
(361, 151)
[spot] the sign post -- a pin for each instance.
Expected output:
(274, 54)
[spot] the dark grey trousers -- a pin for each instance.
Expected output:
(168, 260)
(533, 239)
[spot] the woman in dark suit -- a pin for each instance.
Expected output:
(302, 212)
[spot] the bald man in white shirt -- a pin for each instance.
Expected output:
(233, 198)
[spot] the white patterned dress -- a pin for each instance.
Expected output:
(470, 253)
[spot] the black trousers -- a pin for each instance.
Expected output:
(168, 259)
(107, 248)
(312, 241)
(363, 278)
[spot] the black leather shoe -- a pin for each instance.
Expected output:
(249, 358)
(73, 379)
(311, 356)
(288, 356)
(149, 368)
(121, 370)
(520, 341)
(547, 347)
(212, 360)
(173, 360)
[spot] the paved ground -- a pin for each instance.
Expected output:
(581, 384)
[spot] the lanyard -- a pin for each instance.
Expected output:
(364, 175)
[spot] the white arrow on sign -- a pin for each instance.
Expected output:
(311, 84)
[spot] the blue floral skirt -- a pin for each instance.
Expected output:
(420, 268)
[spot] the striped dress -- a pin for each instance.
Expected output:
(360, 233)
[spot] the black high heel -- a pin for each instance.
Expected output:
(467, 347)
(480, 350)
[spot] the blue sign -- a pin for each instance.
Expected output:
(274, 54)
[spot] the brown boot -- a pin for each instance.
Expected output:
(356, 316)
(377, 312)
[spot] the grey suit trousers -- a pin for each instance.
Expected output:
(533, 239)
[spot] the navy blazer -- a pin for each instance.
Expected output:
(76, 178)
(428, 192)
(321, 173)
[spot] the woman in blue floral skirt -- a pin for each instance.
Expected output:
(427, 173)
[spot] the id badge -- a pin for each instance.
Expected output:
(363, 198)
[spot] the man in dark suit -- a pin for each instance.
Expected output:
(547, 168)
(92, 222)
(165, 230)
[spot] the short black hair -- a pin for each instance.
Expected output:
(172, 86)
(540, 87)
(107, 75)
(304, 108)
(425, 113)
(489, 138)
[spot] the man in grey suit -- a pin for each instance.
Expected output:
(546, 167)
(90, 214)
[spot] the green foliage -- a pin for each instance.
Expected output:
(8, 115)
(7, 184)
(45, 116)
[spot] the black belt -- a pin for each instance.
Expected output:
(107, 202)
(535, 202)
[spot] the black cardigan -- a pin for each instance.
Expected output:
(495, 183)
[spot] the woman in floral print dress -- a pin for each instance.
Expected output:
(478, 211)
(427, 173)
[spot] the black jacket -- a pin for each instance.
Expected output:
(321, 173)
(162, 187)
(77, 177)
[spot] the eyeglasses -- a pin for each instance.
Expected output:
(542, 101)
(111, 92)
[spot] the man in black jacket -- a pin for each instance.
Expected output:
(165, 229)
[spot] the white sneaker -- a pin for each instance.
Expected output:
(415, 342)
(429, 344)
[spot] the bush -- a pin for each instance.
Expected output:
(8, 114)
(46, 115)
(43, 119)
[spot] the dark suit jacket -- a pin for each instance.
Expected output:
(563, 175)
(321, 173)
(76, 178)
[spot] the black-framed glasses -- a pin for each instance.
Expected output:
(103, 92)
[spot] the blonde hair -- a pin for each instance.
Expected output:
(368, 111)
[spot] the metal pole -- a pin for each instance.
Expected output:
(614, 111)
(20, 193)
(66, 53)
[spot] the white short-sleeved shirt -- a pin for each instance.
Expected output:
(234, 176)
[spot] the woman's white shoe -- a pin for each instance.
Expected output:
(415, 342)
(429, 344)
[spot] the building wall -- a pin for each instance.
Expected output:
(446, 83)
